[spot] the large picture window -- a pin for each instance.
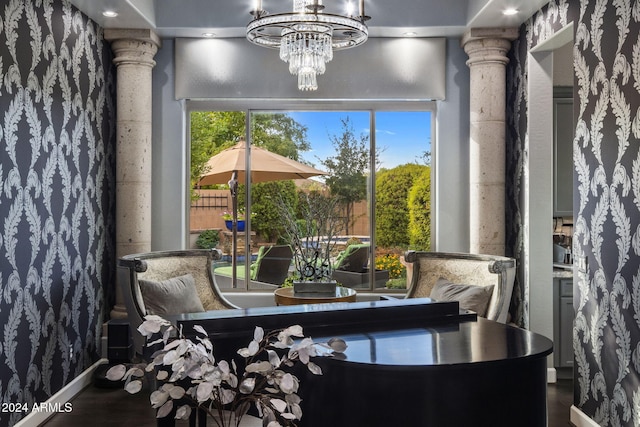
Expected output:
(373, 176)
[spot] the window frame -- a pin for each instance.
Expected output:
(251, 106)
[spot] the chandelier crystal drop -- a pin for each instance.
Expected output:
(307, 37)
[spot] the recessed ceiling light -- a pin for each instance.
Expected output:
(208, 35)
(110, 13)
(510, 11)
(410, 34)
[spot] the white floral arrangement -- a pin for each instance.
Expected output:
(189, 372)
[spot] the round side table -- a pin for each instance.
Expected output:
(286, 296)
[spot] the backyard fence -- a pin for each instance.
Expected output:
(211, 201)
(206, 212)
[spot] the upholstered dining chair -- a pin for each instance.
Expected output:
(457, 276)
(168, 283)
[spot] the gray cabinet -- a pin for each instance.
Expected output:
(563, 131)
(563, 316)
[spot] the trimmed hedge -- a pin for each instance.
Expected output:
(392, 209)
(420, 212)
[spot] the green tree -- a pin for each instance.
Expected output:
(279, 133)
(392, 211)
(424, 158)
(213, 131)
(420, 212)
(348, 169)
(267, 221)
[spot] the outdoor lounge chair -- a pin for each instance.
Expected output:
(351, 268)
(271, 266)
(354, 258)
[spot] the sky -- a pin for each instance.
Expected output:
(401, 137)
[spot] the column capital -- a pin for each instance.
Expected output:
(133, 46)
(488, 44)
(507, 33)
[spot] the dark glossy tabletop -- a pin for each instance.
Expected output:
(479, 341)
(413, 332)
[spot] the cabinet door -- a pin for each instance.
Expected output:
(566, 331)
(563, 130)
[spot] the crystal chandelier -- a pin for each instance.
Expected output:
(307, 36)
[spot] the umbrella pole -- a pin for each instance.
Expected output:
(233, 188)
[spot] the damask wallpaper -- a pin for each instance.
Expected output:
(57, 166)
(606, 195)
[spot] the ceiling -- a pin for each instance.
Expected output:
(228, 18)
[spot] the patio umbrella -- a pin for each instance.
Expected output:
(228, 166)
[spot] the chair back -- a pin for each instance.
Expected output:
(355, 258)
(272, 264)
(162, 265)
(471, 269)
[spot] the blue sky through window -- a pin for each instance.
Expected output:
(401, 136)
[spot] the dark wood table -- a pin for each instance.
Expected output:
(408, 363)
(286, 296)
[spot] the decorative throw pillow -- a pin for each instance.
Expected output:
(471, 297)
(177, 295)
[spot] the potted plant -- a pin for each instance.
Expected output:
(312, 239)
(228, 219)
(188, 373)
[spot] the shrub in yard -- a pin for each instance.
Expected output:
(266, 219)
(208, 239)
(392, 210)
(399, 283)
(420, 212)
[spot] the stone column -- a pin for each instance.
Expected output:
(134, 51)
(487, 49)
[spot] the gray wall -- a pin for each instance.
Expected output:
(450, 173)
(380, 69)
(170, 170)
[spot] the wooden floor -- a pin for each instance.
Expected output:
(559, 401)
(98, 407)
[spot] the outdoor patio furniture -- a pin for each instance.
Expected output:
(351, 268)
(353, 258)
(464, 273)
(165, 280)
(272, 264)
(270, 267)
